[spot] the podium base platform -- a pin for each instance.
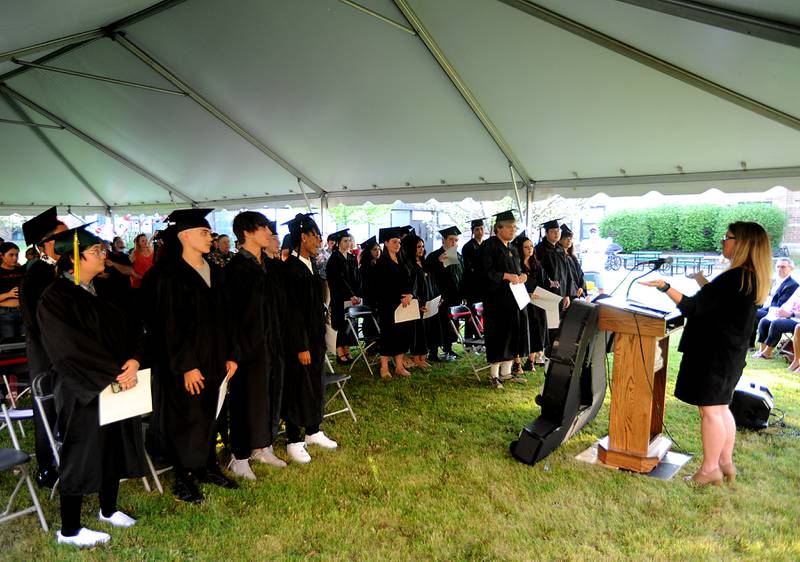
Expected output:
(658, 448)
(670, 465)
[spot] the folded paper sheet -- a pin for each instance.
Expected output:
(407, 313)
(137, 401)
(550, 302)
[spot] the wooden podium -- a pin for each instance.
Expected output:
(641, 348)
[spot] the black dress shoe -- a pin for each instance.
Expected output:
(47, 478)
(517, 368)
(214, 476)
(343, 361)
(528, 368)
(187, 491)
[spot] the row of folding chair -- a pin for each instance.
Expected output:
(475, 345)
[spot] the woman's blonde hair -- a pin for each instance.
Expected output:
(752, 252)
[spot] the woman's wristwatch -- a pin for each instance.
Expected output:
(665, 288)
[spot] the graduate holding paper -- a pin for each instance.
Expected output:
(447, 269)
(394, 289)
(91, 344)
(192, 354)
(501, 314)
(344, 285)
(426, 331)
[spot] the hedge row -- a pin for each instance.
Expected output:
(695, 228)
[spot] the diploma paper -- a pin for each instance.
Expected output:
(451, 257)
(432, 307)
(223, 390)
(408, 313)
(550, 303)
(130, 403)
(521, 295)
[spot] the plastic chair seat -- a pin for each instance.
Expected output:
(11, 361)
(335, 378)
(9, 458)
(359, 311)
(16, 415)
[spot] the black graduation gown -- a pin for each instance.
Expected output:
(341, 273)
(276, 338)
(392, 281)
(304, 385)
(88, 340)
(576, 277)
(449, 281)
(190, 329)
(535, 337)
(248, 298)
(501, 315)
(719, 318)
(554, 261)
(474, 276)
(427, 331)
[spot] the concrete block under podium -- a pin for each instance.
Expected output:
(669, 465)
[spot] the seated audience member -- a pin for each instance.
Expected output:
(11, 274)
(794, 366)
(782, 288)
(222, 254)
(771, 328)
(141, 258)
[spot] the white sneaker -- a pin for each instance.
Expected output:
(241, 468)
(320, 439)
(297, 453)
(117, 519)
(84, 538)
(267, 456)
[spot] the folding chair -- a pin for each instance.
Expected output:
(13, 362)
(338, 381)
(16, 458)
(40, 397)
(364, 343)
(462, 312)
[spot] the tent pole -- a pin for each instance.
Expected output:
(428, 40)
(770, 30)
(653, 62)
(29, 124)
(516, 191)
(22, 114)
(323, 211)
(95, 143)
(303, 191)
(381, 17)
(96, 77)
(128, 45)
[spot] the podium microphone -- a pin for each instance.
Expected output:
(657, 263)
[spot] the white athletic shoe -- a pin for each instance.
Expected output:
(241, 468)
(321, 440)
(117, 519)
(267, 456)
(297, 453)
(84, 539)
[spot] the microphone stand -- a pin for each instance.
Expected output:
(648, 272)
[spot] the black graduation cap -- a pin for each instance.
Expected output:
(505, 216)
(302, 222)
(369, 243)
(286, 244)
(450, 231)
(339, 234)
(273, 226)
(475, 223)
(550, 224)
(184, 219)
(37, 228)
(385, 234)
(565, 231)
(408, 229)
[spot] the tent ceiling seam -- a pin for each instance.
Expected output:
(96, 143)
(31, 124)
(660, 65)
(754, 26)
(150, 61)
(433, 48)
(381, 17)
(22, 114)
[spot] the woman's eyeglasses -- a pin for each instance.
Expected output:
(728, 238)
(97, 252)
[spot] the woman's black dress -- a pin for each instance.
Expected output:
(426, 331)
(719, 320)
(88, 340)
(576, 277)
(341, 273)
(534, 338)
(392, 280)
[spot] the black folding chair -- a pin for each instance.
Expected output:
(338, 381)
(462, 312)
(364, 343)
(17, 459)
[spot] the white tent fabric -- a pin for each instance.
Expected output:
(434, 103)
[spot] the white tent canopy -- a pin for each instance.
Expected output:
(260, 102)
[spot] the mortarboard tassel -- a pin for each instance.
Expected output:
(76, 257)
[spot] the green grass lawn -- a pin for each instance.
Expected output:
(426, 474)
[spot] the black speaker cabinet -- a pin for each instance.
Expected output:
(574, 385)
(751, 405)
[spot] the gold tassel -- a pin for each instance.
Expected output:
(76, 258)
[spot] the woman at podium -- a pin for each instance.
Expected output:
(719, 320)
